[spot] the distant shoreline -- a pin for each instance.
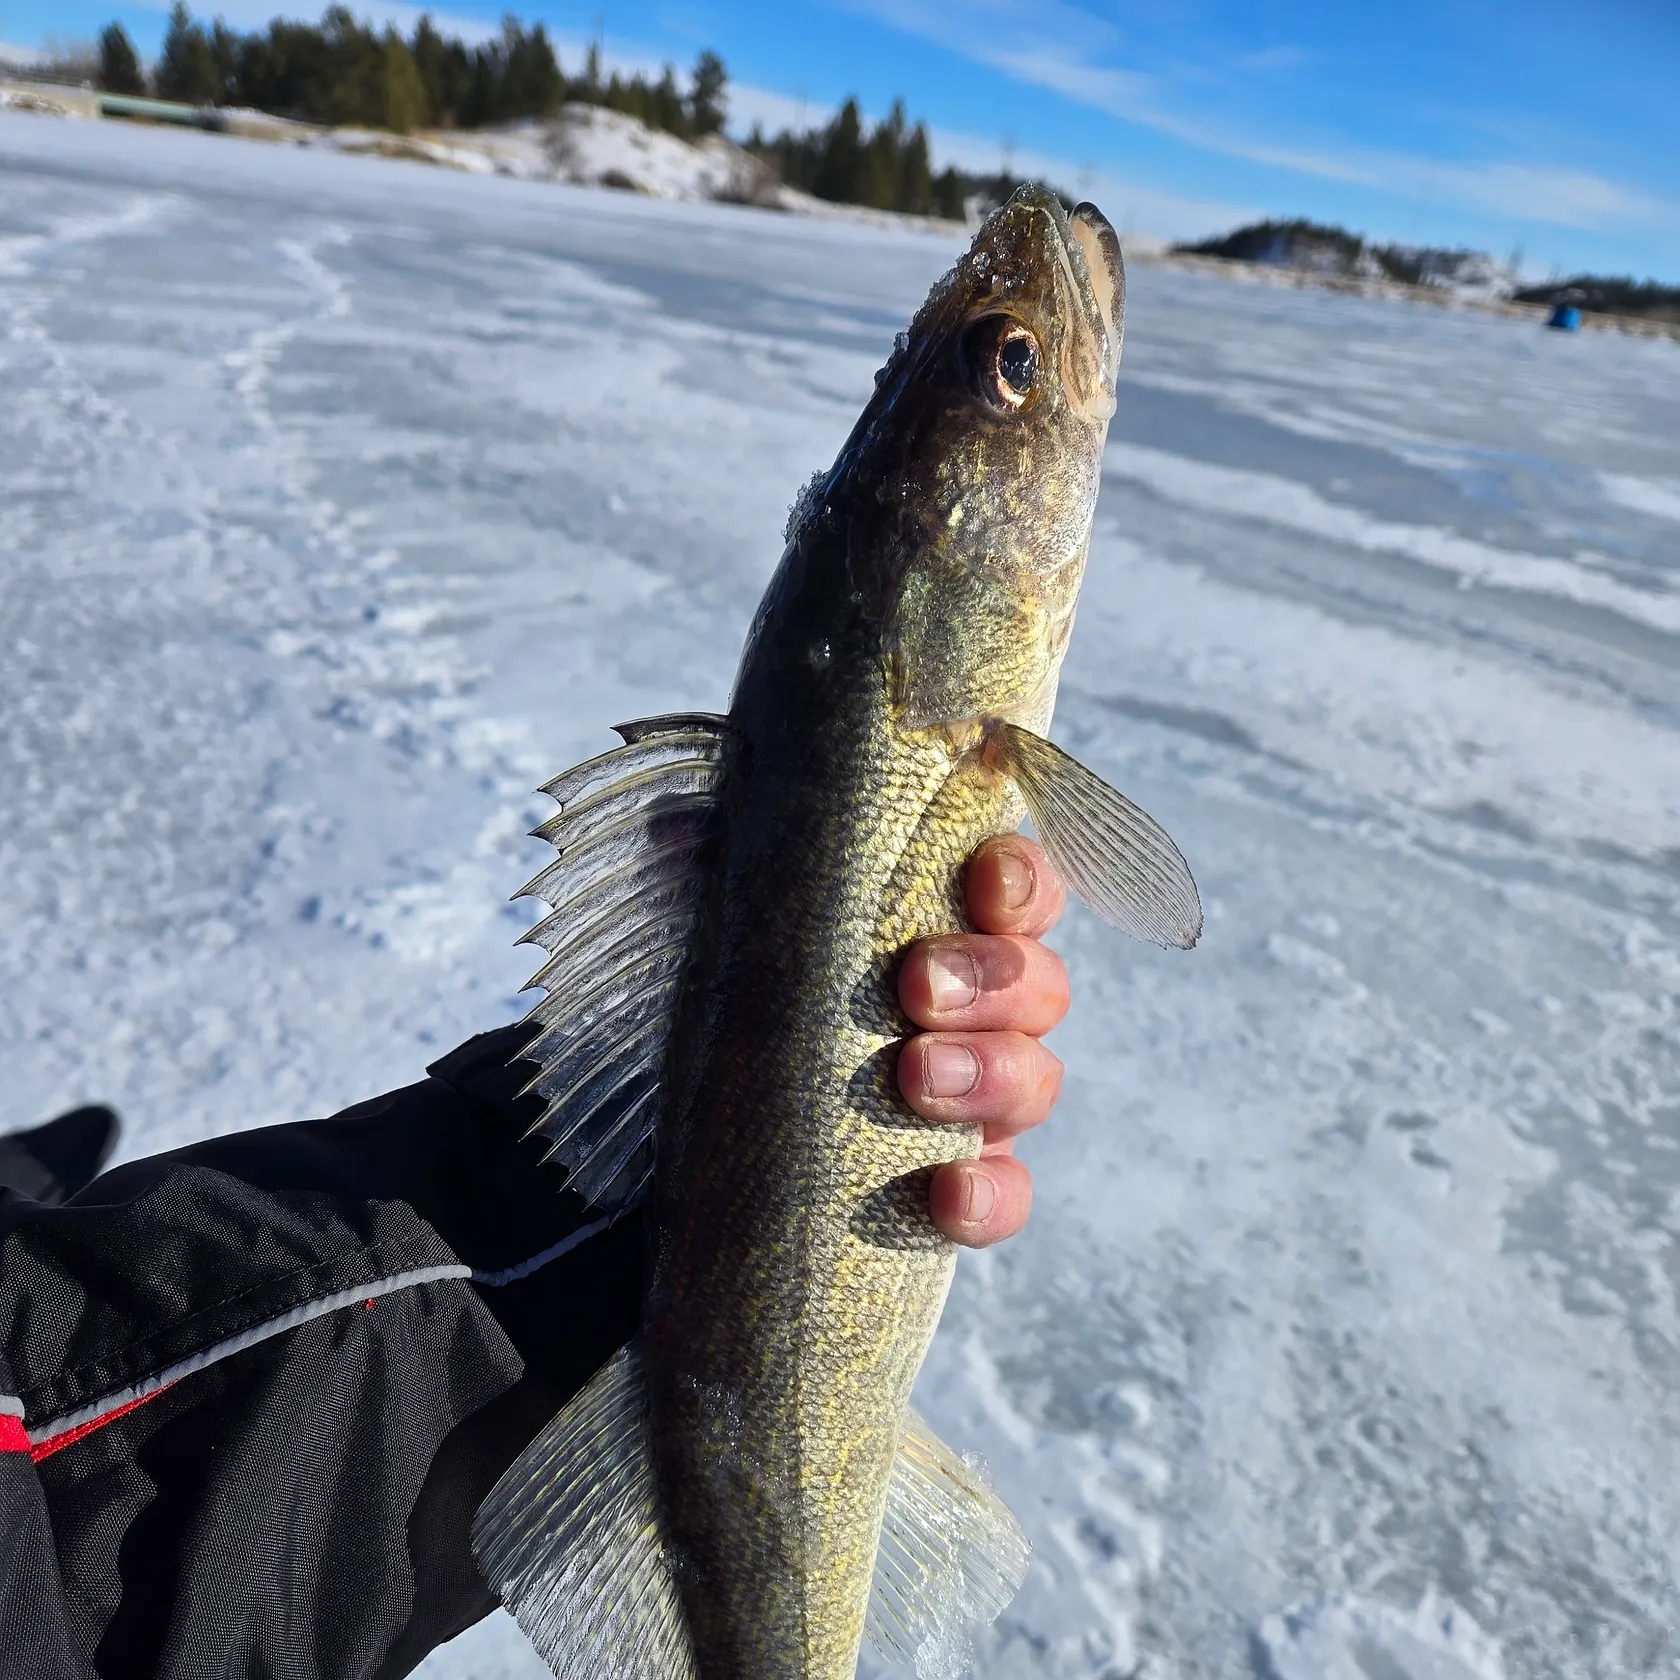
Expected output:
(1302, 279)
(504, 152)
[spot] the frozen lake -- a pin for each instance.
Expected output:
(341, 502)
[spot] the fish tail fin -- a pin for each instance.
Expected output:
(571, 1539)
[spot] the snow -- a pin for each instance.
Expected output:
(594, 147)
(581, 145)
(43, 100)
(1349, 1640)
(584, 145)
(347, 501)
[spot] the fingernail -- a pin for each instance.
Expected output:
(952, 1070)
(982, 1197)
(1017, 877)
(953, 979)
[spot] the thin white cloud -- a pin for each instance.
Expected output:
(1573, 198)
(1131, 205)
(1134, 207)
(1015, 36)
(772, 111)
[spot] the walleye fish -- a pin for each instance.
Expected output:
(743, 1490)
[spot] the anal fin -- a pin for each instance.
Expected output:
(571, 1541)
(951, 1557)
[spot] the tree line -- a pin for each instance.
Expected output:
(887, 167)
(1609, 294)
(342, 71)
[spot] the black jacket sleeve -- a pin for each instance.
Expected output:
(265, 1382)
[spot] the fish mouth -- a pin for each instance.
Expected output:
(1092, 231)
(1093, 287)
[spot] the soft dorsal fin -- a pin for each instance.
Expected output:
(571, 1539)
(951, 1557)
(634, 836)
(1113, 856)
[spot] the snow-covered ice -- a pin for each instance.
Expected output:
(341, 501)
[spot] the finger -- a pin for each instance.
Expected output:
(977, 1203)
(1004, 1081)
(984, 981)
(1012, 887)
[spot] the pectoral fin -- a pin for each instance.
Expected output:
(951, 1557)
(1113, 856)
(571, 1540)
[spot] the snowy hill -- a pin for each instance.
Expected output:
(1332, 254)
(587, 146)
(583, 145)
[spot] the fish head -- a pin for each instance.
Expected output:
(983, 453)
(942, 553)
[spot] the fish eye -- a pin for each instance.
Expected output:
(1003, 361)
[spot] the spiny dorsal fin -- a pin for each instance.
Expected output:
(951, 1557)
(571, 1539)
(1113, 856)
(634, 835)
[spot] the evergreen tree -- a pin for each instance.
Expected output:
(343, 71)
(289, 70)
(708, 104)
(445, 71)
(355, 71)
(186, 68)
(665, 107)
(402, 92)
(890, 168)
(481, 98)
(226, 50)
(915, 174)
(532, 85)
(877, 183)
(950, 196)
(839, 165)
(119, 64)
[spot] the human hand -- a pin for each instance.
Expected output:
(984, 1000)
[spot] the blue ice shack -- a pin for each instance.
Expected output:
(1565, 317)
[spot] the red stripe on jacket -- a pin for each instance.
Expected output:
(69, 1437)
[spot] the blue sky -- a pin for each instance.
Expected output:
(1547, 127)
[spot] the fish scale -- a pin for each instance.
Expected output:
(756, 1174)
